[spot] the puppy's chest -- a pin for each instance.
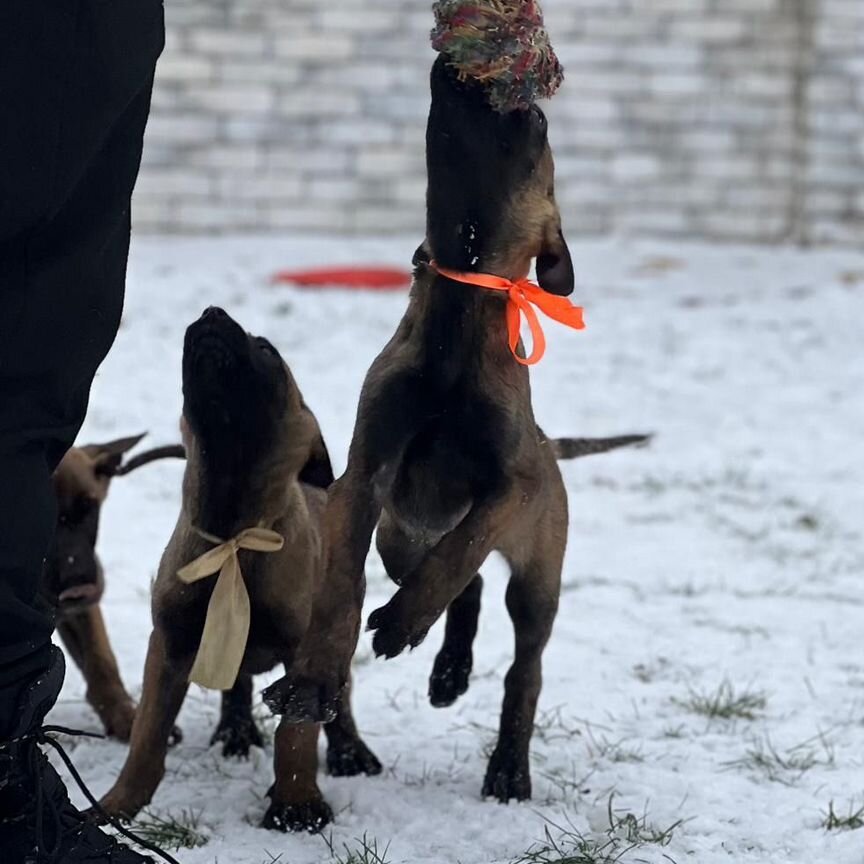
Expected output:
(458, 455)
(280, 590)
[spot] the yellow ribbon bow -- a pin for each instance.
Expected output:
(226, 627)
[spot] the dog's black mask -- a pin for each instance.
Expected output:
(235, 389)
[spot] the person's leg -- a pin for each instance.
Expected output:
(75, 83)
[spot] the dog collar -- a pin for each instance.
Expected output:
(522, 297)
(226, 627)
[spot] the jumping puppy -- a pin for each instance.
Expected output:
(73, 578)
(255, 460)
(447, 459)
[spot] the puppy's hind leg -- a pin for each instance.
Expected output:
(165, 685)
(532, 601)
(452, 669)
(237, 730)
(86, 639)
(347, 754)
(296, 801)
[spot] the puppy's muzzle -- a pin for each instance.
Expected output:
(80, 596)
(213, 345)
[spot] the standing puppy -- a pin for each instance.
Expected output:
(73, 579)
(251, 445)
(447, 459)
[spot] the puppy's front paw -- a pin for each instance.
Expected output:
(118, 720)
(392, 633)
(237, 737)
(508, 776)
(312, 816)
(302, 700)
(351, 758)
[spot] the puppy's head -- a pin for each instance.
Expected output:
(236, 387)
(245, 426)
(491, 199)
(72, 576)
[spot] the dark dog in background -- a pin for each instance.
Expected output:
(447, 459)
(73, 579)
(255, 458)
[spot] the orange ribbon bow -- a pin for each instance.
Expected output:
(522, 297)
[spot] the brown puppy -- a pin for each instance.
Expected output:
(447, 459)
(255, 458)
(73, 579)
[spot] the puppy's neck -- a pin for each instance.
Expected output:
(458, 325)
(476, 256)
(223, 497)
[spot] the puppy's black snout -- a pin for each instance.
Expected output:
(214, 313)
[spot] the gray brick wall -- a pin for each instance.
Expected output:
(833, 206)
(722, 119)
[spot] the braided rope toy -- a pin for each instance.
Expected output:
(501, 44)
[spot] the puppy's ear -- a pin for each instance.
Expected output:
(555, 268)
(318, 471)
(76, 477)
(422, 255)
(107, 458)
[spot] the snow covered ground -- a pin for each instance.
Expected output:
(727, 556)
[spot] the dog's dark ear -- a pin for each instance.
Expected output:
(422, 255)
(555, 268)
(108, 457)
(318, 471)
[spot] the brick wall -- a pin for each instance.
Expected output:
(833, 207)
(724, 119)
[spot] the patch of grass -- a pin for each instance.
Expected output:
(364, 852)
(571, 847)
(433, 776)
(674, 731)
(614, 751)
(725, 704)
(852, 821)
(637, 830)
(786, 767)
(551, 725)
(626, 833)
(566, 786)
(172, 832)
(649, 672)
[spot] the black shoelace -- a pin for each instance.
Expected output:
(42, 736)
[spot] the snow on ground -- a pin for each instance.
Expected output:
(730, 551)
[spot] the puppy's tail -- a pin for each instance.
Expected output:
(576, 448)
(171, 451)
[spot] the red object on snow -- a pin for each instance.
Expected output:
(369, 278)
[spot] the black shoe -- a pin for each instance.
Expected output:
(38, 823)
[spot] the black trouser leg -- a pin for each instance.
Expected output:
(75, 83)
